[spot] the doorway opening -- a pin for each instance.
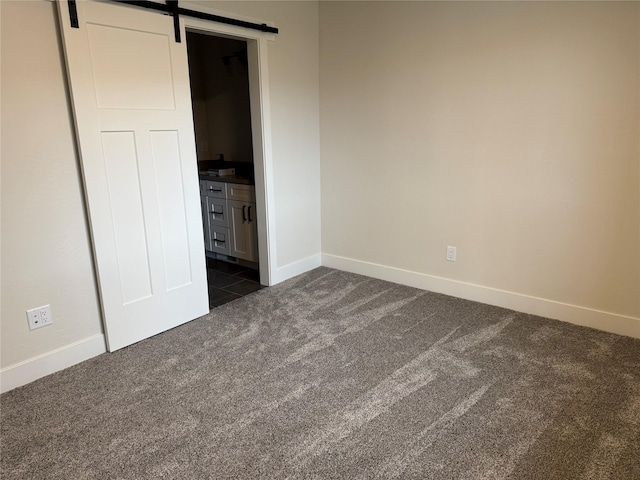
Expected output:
(220, 94)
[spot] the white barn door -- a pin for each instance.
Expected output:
(129, 83)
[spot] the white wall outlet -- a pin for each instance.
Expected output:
(451, 254)
(45, 315)
(39, 317)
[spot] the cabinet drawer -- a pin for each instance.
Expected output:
(220, 240)
(203, 187)
(216, 189)
(217, 210)
(244, 193)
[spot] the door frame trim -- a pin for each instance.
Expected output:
(257, 46)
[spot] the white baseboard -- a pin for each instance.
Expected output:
(37, 367)
(296, 268)
(607, 321)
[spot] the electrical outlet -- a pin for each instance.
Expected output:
(45, 315)
(39, 317)
(451, 254)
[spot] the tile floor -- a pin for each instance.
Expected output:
(228, 281)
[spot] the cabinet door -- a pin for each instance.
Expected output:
(253, 231)
(243, 244)
(205, 222)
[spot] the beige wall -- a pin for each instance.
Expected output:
(294, 94)
(46, 254)
(509, 130)
(46, 257)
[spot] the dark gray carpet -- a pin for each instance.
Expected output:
(335, 375)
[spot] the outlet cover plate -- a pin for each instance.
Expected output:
(39, 317)
(451, 254)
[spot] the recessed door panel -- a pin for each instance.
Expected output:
(126, 77)
(240, 227)
(127, 215)
(165, 150)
